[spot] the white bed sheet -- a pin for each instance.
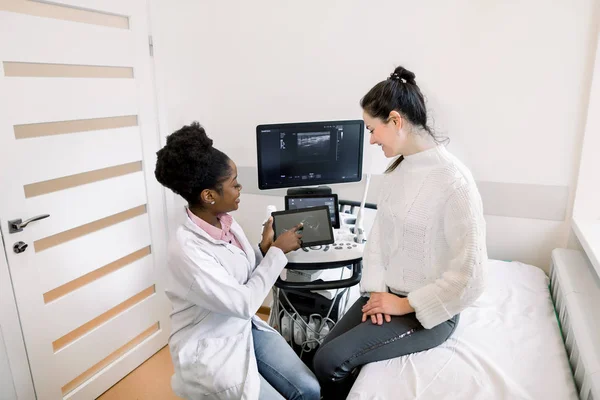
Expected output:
(507, 346)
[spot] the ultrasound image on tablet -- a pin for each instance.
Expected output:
(317, 229)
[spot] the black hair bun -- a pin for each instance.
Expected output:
(189, 163)
(192, 133)
(404, 75)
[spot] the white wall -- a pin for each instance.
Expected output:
(587, 200)
(507, 81)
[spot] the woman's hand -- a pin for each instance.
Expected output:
(377, 319)
(383, 305)
(290, 240)
(268, 234)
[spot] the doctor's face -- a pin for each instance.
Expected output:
(229, 198)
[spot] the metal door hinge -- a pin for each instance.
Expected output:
(151, 45)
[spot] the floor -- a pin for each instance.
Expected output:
(150, 381)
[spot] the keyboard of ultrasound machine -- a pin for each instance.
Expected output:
(336, 246)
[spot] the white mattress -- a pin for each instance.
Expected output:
(507, 346)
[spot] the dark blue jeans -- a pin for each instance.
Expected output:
(282, 374)
(353, 343)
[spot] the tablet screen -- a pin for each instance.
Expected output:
(317, 228)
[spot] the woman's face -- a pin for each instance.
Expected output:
(229, 198)
(386, 134)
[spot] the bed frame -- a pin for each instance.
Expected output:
(575, 288)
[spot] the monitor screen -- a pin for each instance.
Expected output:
(309, 153)
(298, 202)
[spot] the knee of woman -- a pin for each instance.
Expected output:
(322, 364)
(311, 391)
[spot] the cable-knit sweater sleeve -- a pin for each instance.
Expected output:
(373, 274)
(463, 280)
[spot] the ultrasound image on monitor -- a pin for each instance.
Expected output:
(314, 145)
(309, 153)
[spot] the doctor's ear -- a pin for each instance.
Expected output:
(207, 197)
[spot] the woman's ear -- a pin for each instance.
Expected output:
(207, 197)
(396, 119)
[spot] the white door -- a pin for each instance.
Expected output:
(78, 137)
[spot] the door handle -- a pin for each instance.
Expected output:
(17, 225)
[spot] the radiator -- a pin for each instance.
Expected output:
(575, 288)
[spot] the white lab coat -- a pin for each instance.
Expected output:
(216, 290)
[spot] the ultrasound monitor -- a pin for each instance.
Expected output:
(309, 153)
(297, 202)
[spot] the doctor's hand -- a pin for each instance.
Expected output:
(268, 235)
(290, 240)
(384, 305)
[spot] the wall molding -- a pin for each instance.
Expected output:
(503, 199)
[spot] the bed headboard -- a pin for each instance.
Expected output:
(575, 288)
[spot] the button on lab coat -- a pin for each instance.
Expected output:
(216, 289)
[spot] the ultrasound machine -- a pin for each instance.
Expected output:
(314, 289)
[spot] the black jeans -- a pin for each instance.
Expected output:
(353, 343)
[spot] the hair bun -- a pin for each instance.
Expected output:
(193, 132)
(403, 75)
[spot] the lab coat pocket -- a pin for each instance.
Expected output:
(215, 366)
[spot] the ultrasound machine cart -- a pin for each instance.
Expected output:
(311, 315)
(301, 157)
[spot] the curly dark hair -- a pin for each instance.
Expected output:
(189, 164)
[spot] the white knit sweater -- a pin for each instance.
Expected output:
(428, 238)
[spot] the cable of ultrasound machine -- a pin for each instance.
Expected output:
(322, 319)
(295, 312)
(293, 325)
(346, 304)
(273, 311)
(333, 323)
(277, 311)
(303, 346)
(336, 294)
(281, 327)
(274, 308)
(277, 306)
(318, 340)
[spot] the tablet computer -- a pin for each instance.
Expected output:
(317, 229)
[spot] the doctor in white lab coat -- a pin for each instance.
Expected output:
(218, 281)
